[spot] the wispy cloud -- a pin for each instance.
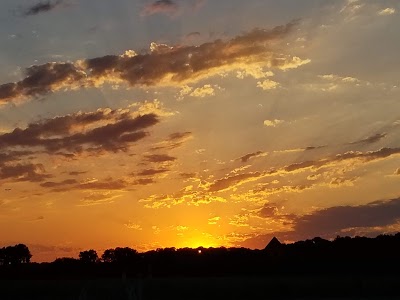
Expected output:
(387, 11)
(41, 7)
(371, 139)
(167, 7)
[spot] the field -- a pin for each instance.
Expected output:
(204, 288)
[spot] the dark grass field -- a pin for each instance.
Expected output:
(205, 288)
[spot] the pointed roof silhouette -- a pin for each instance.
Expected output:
(274, 244)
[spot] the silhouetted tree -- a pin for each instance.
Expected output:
(14, 255)
(125, 255)
(88, 256)
(108, 256)
(120, 255)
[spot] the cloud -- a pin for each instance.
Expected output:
(247, 157)
(99, 197)
(13, 156)
(387, 11)
(234, 180)
(370, 140)
(52, 184)
(342, 181)
(132, 225)
(200, 92)
(23, 172)
(108, 184)
(186, 196)
(73, 136)
(204, 91)
(348, 157)
(157, 158)
(333, 221)
(187, 175)
(267, 84)
(193, 35)
(309, 148)
(230, 182)
(152, 107)
(268, 211)
(76, 173)
(166, 7)
(41, 7)
(174, 140)
(42, 79)
(152, 172)
(162, 66)
(214, 220)
(102, 130)
(339, 79)
(273, 123)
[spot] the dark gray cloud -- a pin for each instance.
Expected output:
(247, 157)
(167, 7)
(187, 175)
(309, 148)
(174, 140)
(24, 172)
(162, 65)
(193, 35)
(302, 165)
(268, 211)
(52, 184)
(371, 139)
(159, 158)
(152, 172)
(13, 156)
(76, 173)
(109, 130)
(42, 79)
(41, 7)
(333, 221)
(70, 136)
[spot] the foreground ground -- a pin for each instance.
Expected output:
(205, 288)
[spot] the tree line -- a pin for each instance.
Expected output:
(359, 255)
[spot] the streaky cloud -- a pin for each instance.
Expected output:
(162, 66)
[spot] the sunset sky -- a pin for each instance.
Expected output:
(177, 123)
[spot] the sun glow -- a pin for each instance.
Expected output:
(198, 241)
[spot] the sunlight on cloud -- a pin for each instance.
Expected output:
(273, 123)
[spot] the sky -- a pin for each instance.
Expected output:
(187, 123)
